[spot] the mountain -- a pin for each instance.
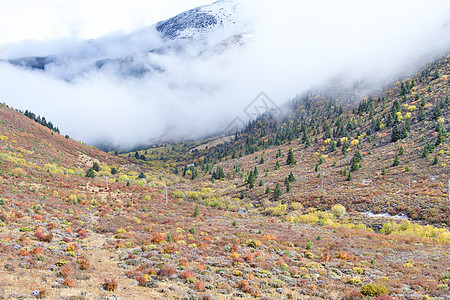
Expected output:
(386, 153)
(194, 221)
(208, 29)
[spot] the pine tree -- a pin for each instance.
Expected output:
(401, 150)
(113, 171)
(278, 153)
(396, 160)
(277, 165)
(251, 180)
(436, 160)
(291, 177)
(287, 184)
(290, 159)
(277, 192)
(255, 172)
(90, 173)
(426, 151)
(95, 167)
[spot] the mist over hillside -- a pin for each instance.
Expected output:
(192, 75)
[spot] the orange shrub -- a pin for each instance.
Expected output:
(199, 286)
(110, 285)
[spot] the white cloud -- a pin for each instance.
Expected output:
(297, 45)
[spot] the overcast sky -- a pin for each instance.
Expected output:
(82, 19)
(294, 46)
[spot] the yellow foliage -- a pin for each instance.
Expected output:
(355, 143)
(407, 228)
(338, 210)
(412, 108)
(18, 172)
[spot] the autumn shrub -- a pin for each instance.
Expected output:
(199, 286)
(296, 206)
(407, 228)
(166, 271)
(178, 194)
(188, 275)
(82, 233)
(353, 295)
(18, 172)
(83, 264)
(68, 282)
(66, 271)
(374, 289)
(46, 238)
(110, 285)
(338, 210)
(158, 237)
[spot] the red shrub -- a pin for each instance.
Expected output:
(66, 271)
(110, 285)
(187, 274)
(68, 282)
(166, 271)
(199, 286)
(158, 237)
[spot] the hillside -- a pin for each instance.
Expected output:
(74, 237)
(375, 157)
(399, 139)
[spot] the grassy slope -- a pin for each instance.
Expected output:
(155, 248)
(417, 187)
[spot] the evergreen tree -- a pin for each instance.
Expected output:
(290, 158)
(436, 160)
(278, 153)
(95, 167)
(287, 185)
(396, 160)
(277, 192)
(426, 151)
(251, 180)
(113, 171)
(255, 172)
(277, 165)
(356, 159)
(142, 176)
(90, 173)
(291, 177)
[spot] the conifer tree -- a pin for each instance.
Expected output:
(290, 158)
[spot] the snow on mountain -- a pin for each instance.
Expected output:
(206, 30)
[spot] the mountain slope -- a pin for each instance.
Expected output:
(326, 133)
(117, 235)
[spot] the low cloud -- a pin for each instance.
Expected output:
(198, 91)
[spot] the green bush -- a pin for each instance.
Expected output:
(374, 289)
